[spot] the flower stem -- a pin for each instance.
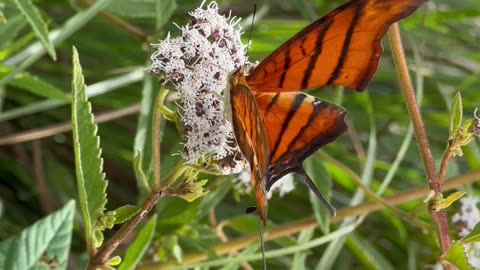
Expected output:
(422, 141)
(104, 253)
(156, 128)
(447, 155)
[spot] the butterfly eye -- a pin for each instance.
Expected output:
(234, 80)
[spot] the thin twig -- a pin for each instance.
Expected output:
(104, 253)
(40, 133)
(46, 198)
(422, 141)
(310, 223)
(356, 142)
(447, 155)
(123, 25)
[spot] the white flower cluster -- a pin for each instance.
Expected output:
(468, 217)
(197, 65)
(283, 186)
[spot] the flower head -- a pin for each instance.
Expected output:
(197, 65)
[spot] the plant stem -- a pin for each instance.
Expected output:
(104, 253)
(422, 141)
(310, 223)
(156, 122)
(447, 155)
(121, 24)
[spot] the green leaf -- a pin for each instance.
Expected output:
(38, 25)
(39, 87)
(143, 137)
(300, 257)
(457, 257)
(323, 180)
(140, 174)
(473, 236)
(10, 30)
(125, 213)
(45, 240)
(97, 89)
(235, 264)
(3, 20)
(367, 253)
(139, 247)
(164, 10)
(31, 54)
(456, 114)
(212, 199)
(91, 183)
(445, 203)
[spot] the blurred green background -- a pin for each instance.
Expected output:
(37, 172)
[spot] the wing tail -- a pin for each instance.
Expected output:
(308, 181)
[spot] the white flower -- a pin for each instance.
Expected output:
(283, 186)
(468, 217)
(197, 65)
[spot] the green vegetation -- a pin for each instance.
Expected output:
(77, 106)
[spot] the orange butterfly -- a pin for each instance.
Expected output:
(277, 127)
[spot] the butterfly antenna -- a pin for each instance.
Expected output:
(251, 27)
(313, 188)
(262, 244)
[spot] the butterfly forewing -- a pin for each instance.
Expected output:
(276, 126)
(341, 48)
(250, 136)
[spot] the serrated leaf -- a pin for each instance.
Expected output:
(323, 180)
(139, 247)
(47, 239)
(456, 114)
(457, 257)
(125, 213)
(473, 236)
(38, 25)
(39, 87)
(164, 10)
(91, 183)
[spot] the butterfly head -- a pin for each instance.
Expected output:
(237, 77)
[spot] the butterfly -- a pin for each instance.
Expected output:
(276, 126)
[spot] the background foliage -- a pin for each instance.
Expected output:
(37, 172)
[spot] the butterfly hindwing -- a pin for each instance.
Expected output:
(297, 125)
(341, 48)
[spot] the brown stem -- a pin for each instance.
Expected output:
(447, 155)
(311, 223)
(47, 199)
(422, 141)
(104, 253)
(39, 133)
(123, 25)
